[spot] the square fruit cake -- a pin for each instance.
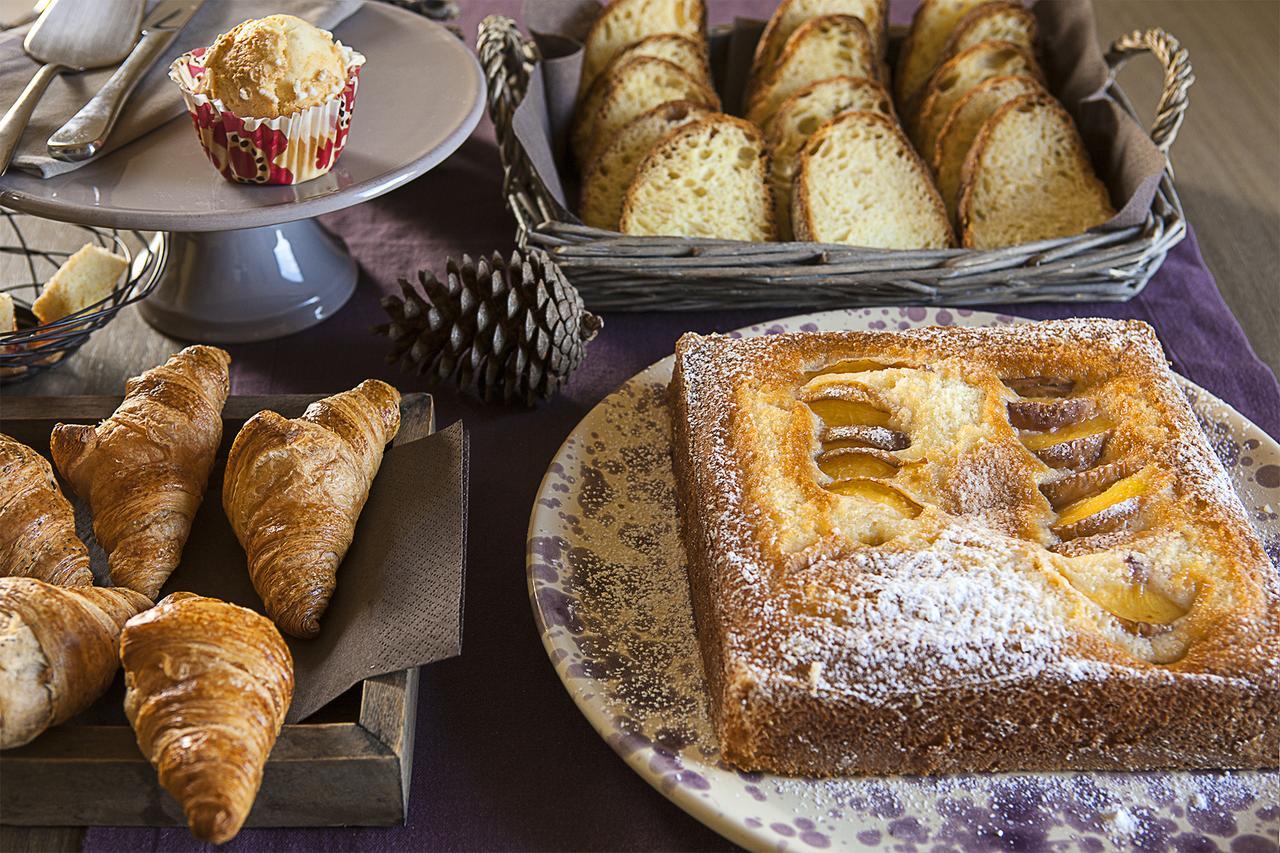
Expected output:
(957, 549)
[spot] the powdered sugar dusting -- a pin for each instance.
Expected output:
(957, 611)
(606, 574)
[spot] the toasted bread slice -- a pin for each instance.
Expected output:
(605, 187)
(861, 183)
(790, 14)
(999, 21)
(1028, 177)
(958, 75)
(689, 54)
(922, 51)
(682, 51)
(962, 125)
(799, 117)
(625, 22)
(829, 46)
(7, 321)
(635, 87)
(706, 179)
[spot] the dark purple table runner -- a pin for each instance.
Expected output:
(503, 758)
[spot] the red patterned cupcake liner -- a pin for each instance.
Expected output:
(285, 150)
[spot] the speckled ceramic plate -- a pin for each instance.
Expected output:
(607, 582)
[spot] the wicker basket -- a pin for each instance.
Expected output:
(33, 249)
(616, 272)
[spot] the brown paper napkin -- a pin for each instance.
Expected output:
(156, 100)
(1121, 150)
(398, 603)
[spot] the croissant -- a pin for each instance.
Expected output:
(294, 489)
(37, 524)
(58, 651)
(207, 685)
(144, 469)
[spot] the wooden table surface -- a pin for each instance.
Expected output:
(1226, 159)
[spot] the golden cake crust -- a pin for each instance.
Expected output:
(950, 617)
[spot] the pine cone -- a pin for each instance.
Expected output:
(501, 329)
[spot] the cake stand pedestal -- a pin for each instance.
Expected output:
(252, 284)
(247, 263)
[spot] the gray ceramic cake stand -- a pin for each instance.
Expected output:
(247, 263)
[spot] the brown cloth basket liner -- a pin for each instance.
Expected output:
(532, 89)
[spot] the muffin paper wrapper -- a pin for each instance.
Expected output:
(289, 149)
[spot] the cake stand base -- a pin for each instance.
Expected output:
(250, 285)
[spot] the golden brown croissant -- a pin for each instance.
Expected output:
(207, 685)
(37, 524)
(58, 651)
(144, 469)
(294, 489)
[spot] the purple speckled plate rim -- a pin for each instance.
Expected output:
(720, 814)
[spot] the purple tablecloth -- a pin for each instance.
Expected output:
(503, 759)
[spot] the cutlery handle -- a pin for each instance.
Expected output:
(15, 121)
(85, 134)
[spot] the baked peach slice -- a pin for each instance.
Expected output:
(854, 416)
(1041, 386)
(854, 365)
(879, 438)
(1076, 446)
(1050, 413)
(1081, 484)
(1109, 510)
(1141, 608)
(847, 404)
(879, 492)
(837, 412)
(856, 463)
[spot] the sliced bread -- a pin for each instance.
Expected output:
(7, 321)
(999, 21)
(921, 52)
(828, 46)
(689, 54)
(1028, 177)
(799, 117)
(625, 22)
(681, 51)
(635, 87)
(790, 14)
(861, 183)
(706, 179)
(958, 75)
(605, 188)
(962, 126)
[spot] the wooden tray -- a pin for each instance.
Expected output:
(348, 764)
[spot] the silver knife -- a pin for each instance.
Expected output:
(87, 131)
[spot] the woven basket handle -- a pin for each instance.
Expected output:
(1178, 77)
(508, 59)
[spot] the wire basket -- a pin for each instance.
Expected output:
(31, 250)
(617, 272)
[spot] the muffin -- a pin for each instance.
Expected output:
(271, 99)
(272, 67)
